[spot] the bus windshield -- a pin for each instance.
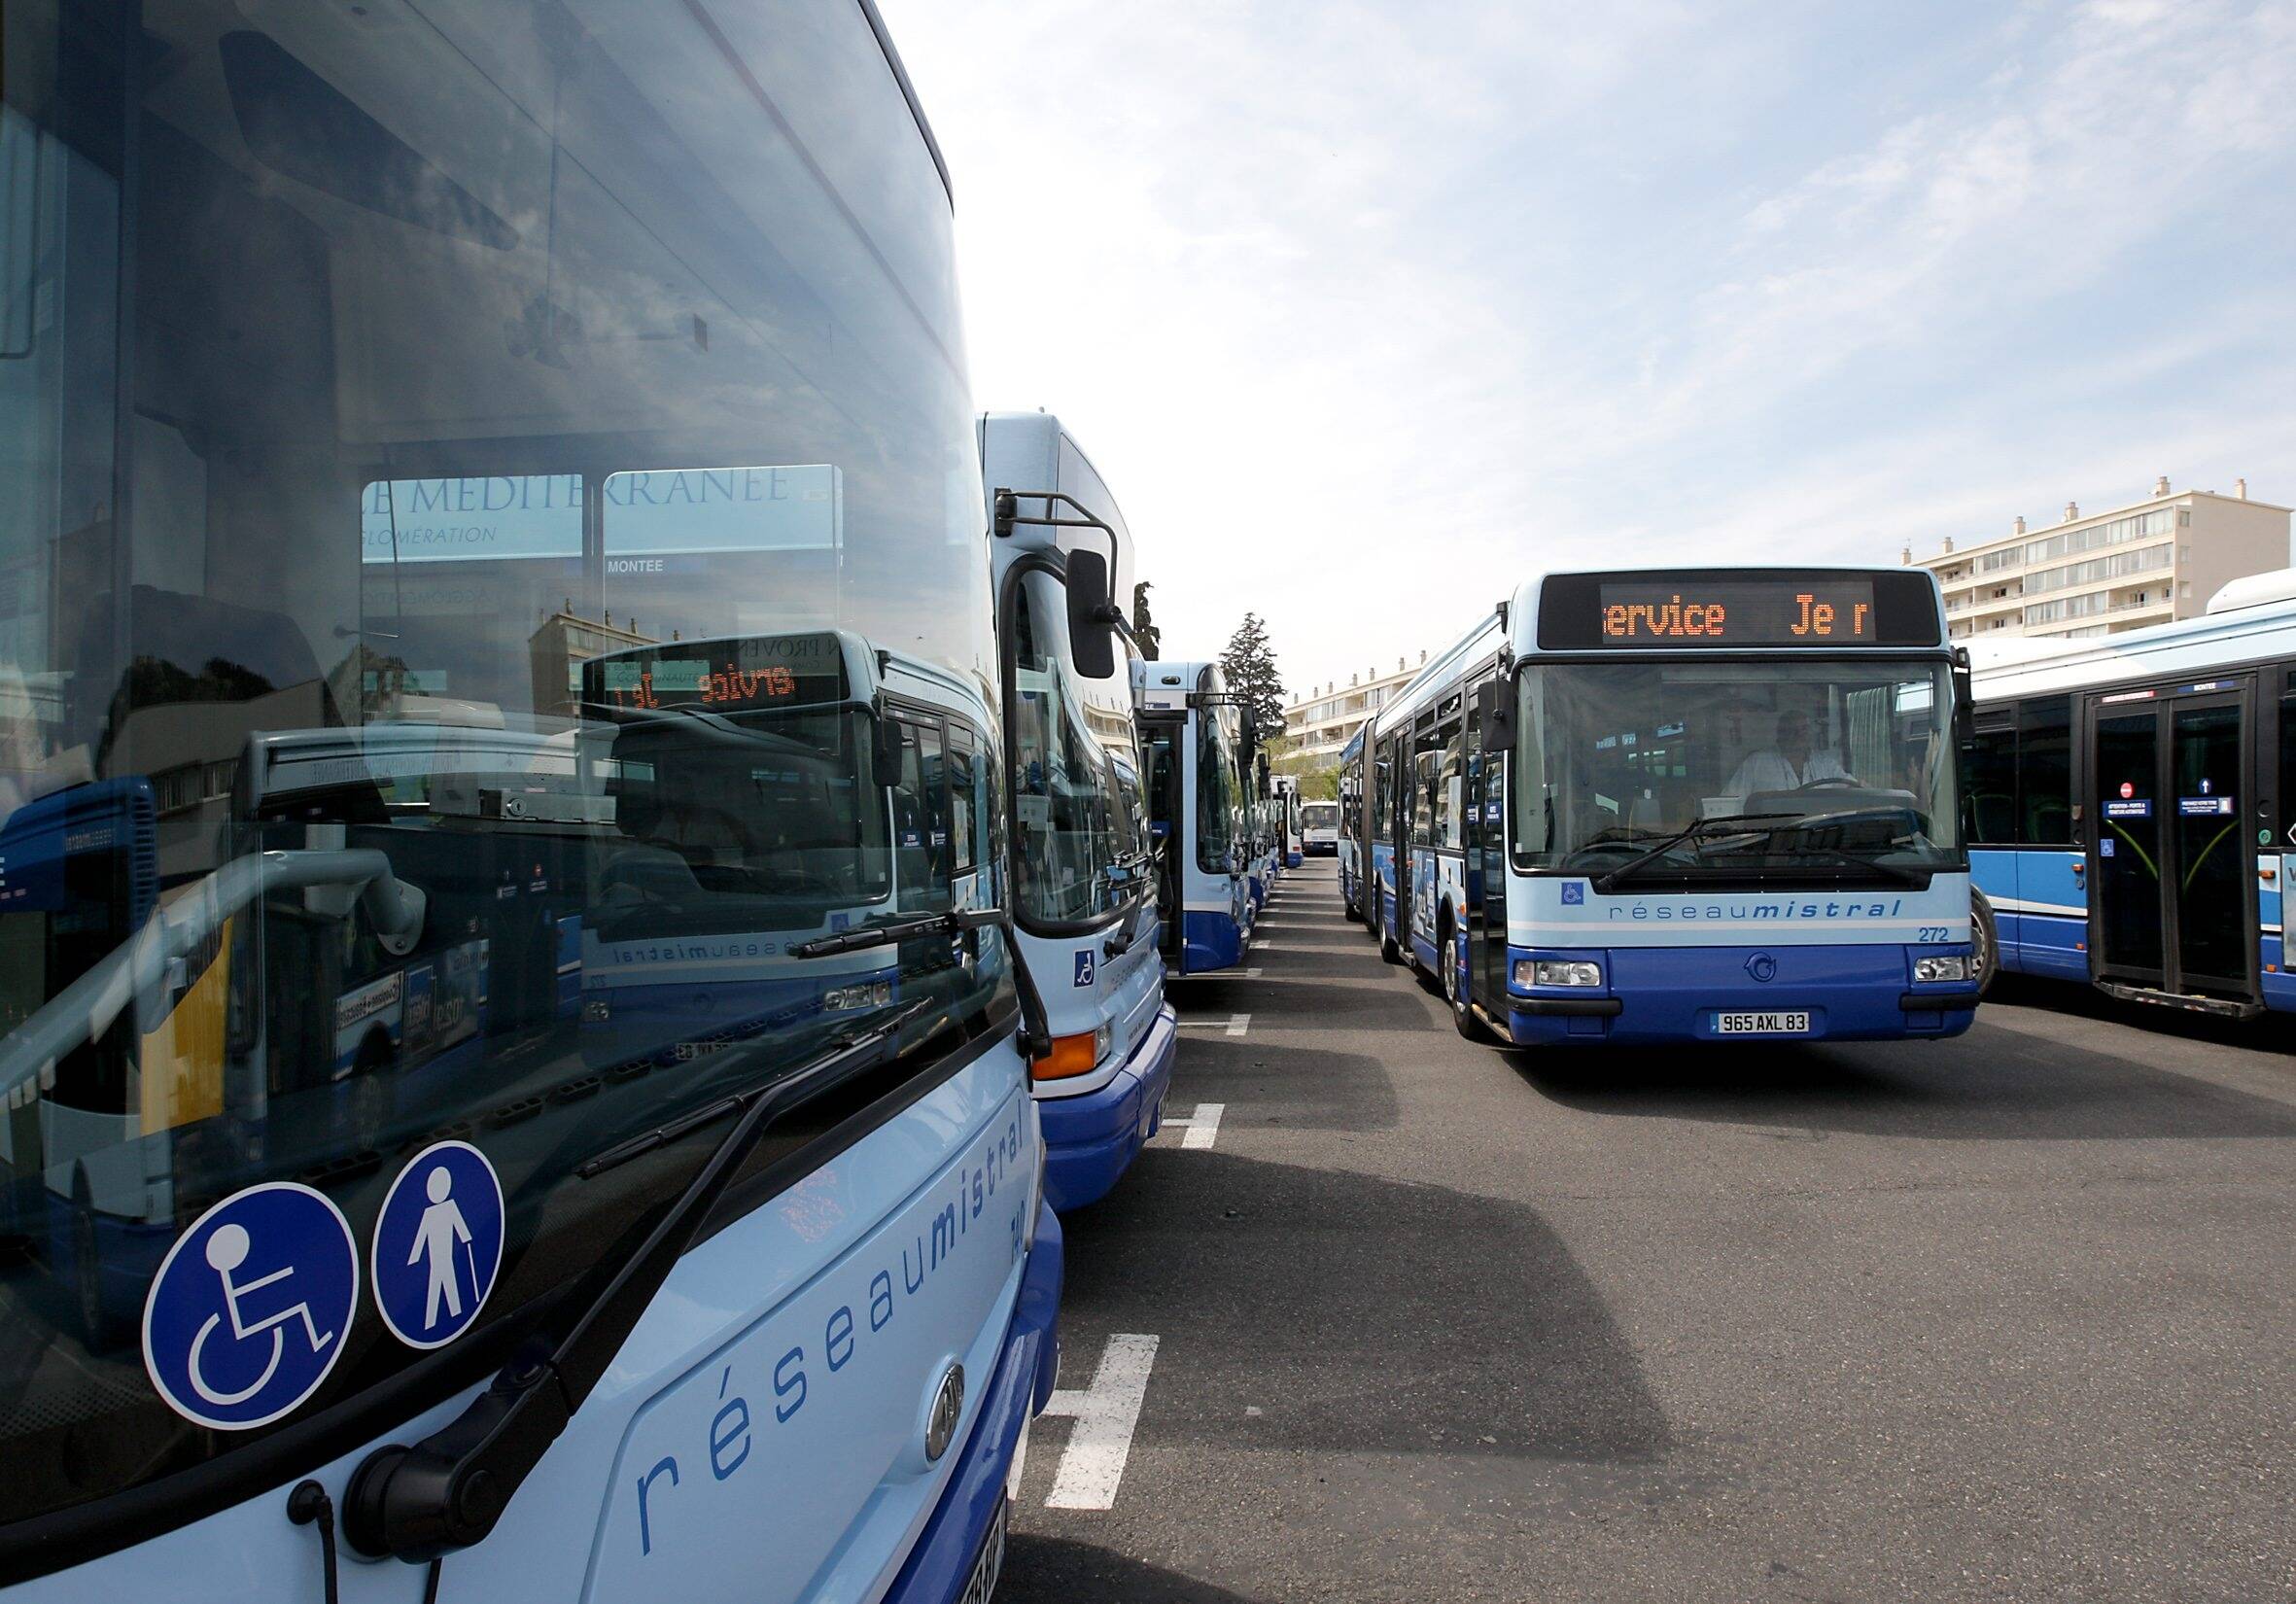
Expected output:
(541, 340)
(1819, 768)
(1319, 816)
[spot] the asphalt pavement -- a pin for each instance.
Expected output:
(1396, 1316)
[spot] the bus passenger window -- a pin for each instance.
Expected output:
(2044, 771)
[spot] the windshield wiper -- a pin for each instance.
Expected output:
(1611, 879)
(886, 932)
(447, 1491)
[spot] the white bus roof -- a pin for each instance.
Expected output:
(2243, 632)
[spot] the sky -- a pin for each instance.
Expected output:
(1368, 309)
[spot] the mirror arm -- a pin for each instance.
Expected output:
(1008, 511)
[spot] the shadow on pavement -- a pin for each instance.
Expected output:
(1300, 1088)
(1377, 1316)
(1059, 1570)
(1991, 1085)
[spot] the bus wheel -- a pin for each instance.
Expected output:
(1985, 953)
(1388, 949)
(1456, 991)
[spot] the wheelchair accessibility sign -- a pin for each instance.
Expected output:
(251, 1307)
(437, 1245)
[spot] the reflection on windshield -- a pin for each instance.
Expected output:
(1717, 769)
(463, 364)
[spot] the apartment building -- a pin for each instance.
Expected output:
(1320, 724)
(2103, 572)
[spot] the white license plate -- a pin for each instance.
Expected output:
(991, 1564)
(1761, 1024)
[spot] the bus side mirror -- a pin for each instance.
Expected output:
(1964, 703)
(1092, 616)
(887, 750)
(1495, 712)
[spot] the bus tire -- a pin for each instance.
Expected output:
(1985, 949)
(1456, 989)
(1389, 951)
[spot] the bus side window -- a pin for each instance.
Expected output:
(1992, 782)
(2044, 771)
(964, 805)
(920, 818)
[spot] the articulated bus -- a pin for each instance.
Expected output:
(1082, 869)
(2132, 812)
(1354, 828)
(1683, 806)
(514, 1060)
(1195, 746)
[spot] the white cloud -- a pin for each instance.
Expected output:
(1366, 310)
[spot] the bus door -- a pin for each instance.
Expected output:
(1487, 860)
(2172, 907)
(1403, 776)
(1167, 826)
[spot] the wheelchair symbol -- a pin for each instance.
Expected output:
(246, 1316)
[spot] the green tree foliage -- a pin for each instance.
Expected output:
(1145, 634)
(1252, 677)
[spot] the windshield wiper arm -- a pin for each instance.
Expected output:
(447, 1491)
(1611, 879)
(887, 931)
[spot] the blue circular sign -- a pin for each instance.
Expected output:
(437, 1245)
(251, 1307)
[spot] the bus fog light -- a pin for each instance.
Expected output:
(1546, 971)
(597, 1011)
(1940, 969)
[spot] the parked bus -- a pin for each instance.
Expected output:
(1319, 829)
(513, 1055)
(1685, 805)
(1287, 797)
(1354, 830)
(1193, 742)
(1084, 887)
(2132, 818)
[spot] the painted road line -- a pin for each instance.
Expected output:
(1200, 1129)
(1106, 1413)
(1234, 1025)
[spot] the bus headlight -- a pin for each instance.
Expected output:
(1940, 969)
(1547, 971)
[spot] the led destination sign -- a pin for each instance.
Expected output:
(1758, 614)
(763, 670)
(1761, 610)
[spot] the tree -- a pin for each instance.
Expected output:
(1145, 635)
(1252, 677)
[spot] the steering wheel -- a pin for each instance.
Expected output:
(1829, 782)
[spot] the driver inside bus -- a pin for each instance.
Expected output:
(1789, 765)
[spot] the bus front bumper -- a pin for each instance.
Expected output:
(1090, 1138)
(941, 1564)
(1654, 996)
(1208, 941)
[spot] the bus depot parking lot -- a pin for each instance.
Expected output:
(1385, 1314)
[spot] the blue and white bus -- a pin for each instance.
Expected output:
(2131, 805)
(1668, 806)
(1083, 886)
(1289, 819)
(513, 1056)
(1354, 828)
(1195, 749)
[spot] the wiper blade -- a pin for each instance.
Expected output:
(447, 1491)
(887, 931)
(1615, 878)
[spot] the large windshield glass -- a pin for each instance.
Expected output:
(1319, 816)
(374, 378)
(1757, 768)
(1075, 764)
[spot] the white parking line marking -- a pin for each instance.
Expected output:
(1239, 1024)
(1202, 1128)
(1092, 1465)
(1234, 1025)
